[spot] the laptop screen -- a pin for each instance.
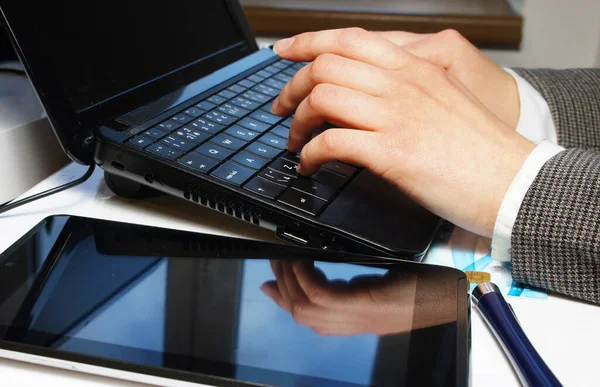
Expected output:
(101, 50)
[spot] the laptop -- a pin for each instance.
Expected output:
(177, 97)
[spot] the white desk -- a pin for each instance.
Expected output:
(565, 332)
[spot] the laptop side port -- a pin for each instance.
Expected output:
(292, 236)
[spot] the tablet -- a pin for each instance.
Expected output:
(174, 308)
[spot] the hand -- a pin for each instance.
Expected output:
(493, 86)
(375, 304)
(403, 118)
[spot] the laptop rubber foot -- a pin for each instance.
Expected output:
(127, 188)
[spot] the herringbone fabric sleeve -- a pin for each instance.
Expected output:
(555, 242)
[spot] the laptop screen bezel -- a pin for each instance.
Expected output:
(76, 131)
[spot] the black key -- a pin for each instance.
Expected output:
(265, 117)
(242, 133)
(205, 126)
(340, 168)
(214, 151)
(155, 132)
(280, 65)
(286, 62)
(262, 150)
(256, 97)
(164, 151)
(253, 125)
(288, 122)
(285, 166)
(169, 126)
(314, 188)
(233, 173)
(298, 66)
(281, 131)
(295, 157)
(140, 141)
(192, 135)
(182, 119)
(264, 187)
(237, 89)
(330, 179)
(178, 143)
(227, 141)
(205, 105)
(198, 162)
(275, 84)
(263, 74)
(302, 201)
(267, 108)
(219, 118)
(272, 69)
(217, 100)
(249, 160)
(255, 78)
(244, 103)
(227, 94)
(271, 92)
(273, 140)
(282, 77)
(246, 84)
(194, 112)
(233, 110)
(290, 72)
(277, 177)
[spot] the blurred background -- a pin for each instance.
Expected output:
(514, 33)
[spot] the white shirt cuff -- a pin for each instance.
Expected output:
(535, 121)
(501, 240)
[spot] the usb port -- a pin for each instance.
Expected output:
(295, 238)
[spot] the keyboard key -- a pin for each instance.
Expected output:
(298, 66)
(227, 141)
(244, 103)
(330, 179)
(219, 118)
(290, 72)
(302, 201)
(182, 119)
(155, 133)
(256, 97)
(281, 65)
(264, 74)
(267, 107)
(192, 135)
(164, 151)
(233, 110)
(282, 77)
(205, 126)
(286, 62)
(250, 160)
(210, 105)
(237, 89)
(295, 157)
(273, 140)
(314, 188)
(227, 94)
(255, 78)
(213, 151)
(198, 162)
(277, 177)
(141, 141)
(253, 125)
(274, 84)
(242, 133)
(264, 187)
(272, 69)
(169, 126)
(264, 89)
(246, 84)
(262, 150)
(194, 112)
(288, 122)
(285, 166)
(340, 168)
(216, 99)
(178, 143)
(265, 117)
(233, 173)
(281, 131)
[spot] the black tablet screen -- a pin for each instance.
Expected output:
(193, 307)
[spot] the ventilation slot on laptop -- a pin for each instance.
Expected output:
(222, 204)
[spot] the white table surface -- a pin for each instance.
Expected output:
(564, 331)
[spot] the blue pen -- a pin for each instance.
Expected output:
(499, 316)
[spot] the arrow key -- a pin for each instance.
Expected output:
(264, 188)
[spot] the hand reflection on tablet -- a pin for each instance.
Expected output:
(367, 304)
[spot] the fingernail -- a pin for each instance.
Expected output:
(275, 106)
(283, 45)
(299, 169)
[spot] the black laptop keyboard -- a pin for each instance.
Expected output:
(233, 136)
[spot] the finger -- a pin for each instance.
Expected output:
(277, 268)
(339, 106)
(353, 43)
(319, 292)
(402, 38)
(296, 294)
(332, 69)
(355, 147)
(271, 289)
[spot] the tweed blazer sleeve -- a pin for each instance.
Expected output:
(555, 242)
